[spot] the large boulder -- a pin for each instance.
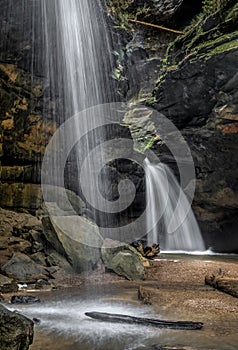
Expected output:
(22, 268)
(123, 259)
(16, 331)
(76, 238)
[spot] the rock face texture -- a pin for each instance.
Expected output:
(16, 331)
(197, 90)
(203, 104)
(76, 238)
(123, 259)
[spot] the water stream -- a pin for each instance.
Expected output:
(64, 326)
(168, 201)
(78, 67)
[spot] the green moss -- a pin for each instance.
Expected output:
(233, 13)
(123, 10)
(212, 6)
(201, 42)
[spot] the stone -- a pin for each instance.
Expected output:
(55, 259)
(76, 238)
(110, 248)
(128, 265)
(43, 285)
(7, 285)
(24, 269)
(14, 233)
(39, 258)
(24, 299)
(123, 259)
(16, 331)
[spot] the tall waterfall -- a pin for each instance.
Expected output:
(78, 61)
(163, 193)
(78, 52)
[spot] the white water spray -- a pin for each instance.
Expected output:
(177, 228)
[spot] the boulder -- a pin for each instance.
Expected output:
(76, 238)
(127, 264)
(7, 285)
(24, 269)
(16, 331)
(110, 248)
(123, 259)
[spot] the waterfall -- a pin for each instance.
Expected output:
(174, 224)
(78, 63)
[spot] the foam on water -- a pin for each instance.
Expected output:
(67, 318)
(197, 252)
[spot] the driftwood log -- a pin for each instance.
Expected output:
(182, 325)
(227, 285)
(147, 251)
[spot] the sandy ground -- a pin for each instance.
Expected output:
(180, 289)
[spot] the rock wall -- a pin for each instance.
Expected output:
(196, 89)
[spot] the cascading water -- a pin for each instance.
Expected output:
(79, 68)
(167, 201)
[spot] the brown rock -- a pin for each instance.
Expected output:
(7, 285)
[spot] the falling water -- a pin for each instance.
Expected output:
(163, 192)
(78, 68)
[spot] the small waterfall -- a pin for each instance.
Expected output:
(174, 224)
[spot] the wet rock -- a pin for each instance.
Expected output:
(7, 285)
(36, 320)
(43, 285)
(24, 299)
(24, 269)
(123, 260)
(16, 331)
(76, 238)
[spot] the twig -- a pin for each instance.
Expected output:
(156, 26)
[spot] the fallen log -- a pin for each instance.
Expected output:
(182, 325)
(227, 285)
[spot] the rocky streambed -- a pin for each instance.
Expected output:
(174, 289)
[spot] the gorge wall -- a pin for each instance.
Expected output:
(190, 78)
